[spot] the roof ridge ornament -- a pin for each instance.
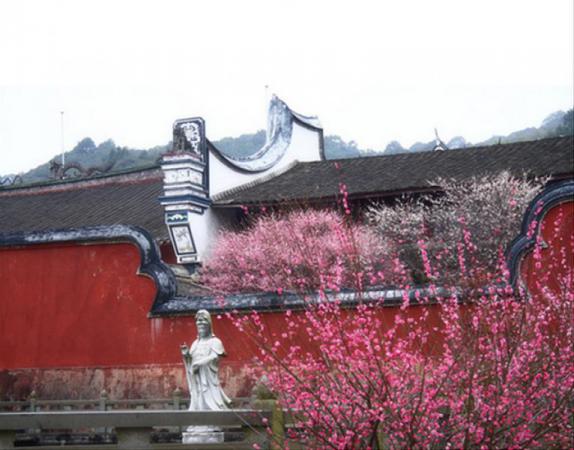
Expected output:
(189, 138)
(185, 185)
(11, 180)
(280, 120)
(439, 144)
(77, 170)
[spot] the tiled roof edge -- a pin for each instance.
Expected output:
(49, 182)
(470, 148)
(125, 177)
(256, 182)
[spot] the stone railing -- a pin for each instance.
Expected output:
(134, 428)
(178, 400)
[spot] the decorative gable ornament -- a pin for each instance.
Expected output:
(280, 120)
(186, 185)
(195, 172)
(189, 137)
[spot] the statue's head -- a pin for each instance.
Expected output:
(203, 323)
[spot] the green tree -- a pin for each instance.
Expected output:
(566, 128)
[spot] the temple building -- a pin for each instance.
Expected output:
(198, 189)
(96, 287)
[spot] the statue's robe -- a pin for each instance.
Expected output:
(204, 387)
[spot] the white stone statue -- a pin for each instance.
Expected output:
(201, 367)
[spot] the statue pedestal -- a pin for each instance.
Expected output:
(202, 435)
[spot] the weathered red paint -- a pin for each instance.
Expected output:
(167, 253)
(80, 311)
(73, 305)
(74, 320)
(557, 232)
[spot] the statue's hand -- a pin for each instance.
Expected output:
(195, 367)
(184, 349)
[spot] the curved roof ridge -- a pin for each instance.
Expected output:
(256, 182)
(278, 138)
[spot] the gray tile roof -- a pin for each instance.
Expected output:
(129, 199)
(132, 198)
(395, 174)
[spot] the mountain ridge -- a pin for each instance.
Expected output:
(109, 157)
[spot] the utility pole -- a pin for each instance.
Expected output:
(62, 139)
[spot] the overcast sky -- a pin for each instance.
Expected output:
(373, 71)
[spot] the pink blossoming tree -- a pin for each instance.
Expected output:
(485, 367)
(300, 251)
(488, 208)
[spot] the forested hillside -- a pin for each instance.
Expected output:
(110, 157)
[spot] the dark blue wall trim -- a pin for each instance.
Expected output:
(271, 301)
(200, 201)
(552, 195)
(151, 263)
(217, 153)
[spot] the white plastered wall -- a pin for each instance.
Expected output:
(305, 146)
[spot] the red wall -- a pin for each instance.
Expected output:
(73, 306)
(74, 320)
(557, 256)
